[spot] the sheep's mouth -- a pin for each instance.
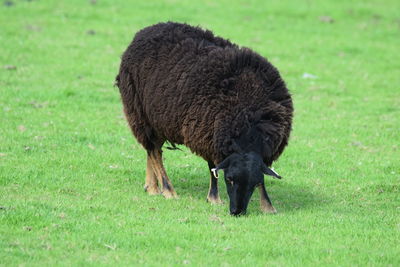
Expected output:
(238, 213)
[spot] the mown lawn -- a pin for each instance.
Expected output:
(71, 174)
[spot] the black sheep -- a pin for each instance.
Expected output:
(181, 84)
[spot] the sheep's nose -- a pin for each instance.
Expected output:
(237, 212)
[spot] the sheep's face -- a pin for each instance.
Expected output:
(243, 173)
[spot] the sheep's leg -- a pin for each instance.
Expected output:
(151, 185)
(168, 190)
(213, 196)
(265, 202)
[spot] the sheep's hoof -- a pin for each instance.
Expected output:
(214, 200)
(152, 190)
(169, 194)
(268, 209)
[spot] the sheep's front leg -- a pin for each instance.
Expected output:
(155, 157)
(265, 202)
(213, 196)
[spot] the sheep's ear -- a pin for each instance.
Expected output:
(221, 166)
(270, 172)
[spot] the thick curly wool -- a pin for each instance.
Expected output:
(182, 84)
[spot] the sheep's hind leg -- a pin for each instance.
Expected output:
(213, 196)
(155, 157)
(151, 185)
(265, 202)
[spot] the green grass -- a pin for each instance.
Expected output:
(71, 174)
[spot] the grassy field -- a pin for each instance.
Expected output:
(72, 175)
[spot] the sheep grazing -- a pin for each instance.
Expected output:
(183, 85)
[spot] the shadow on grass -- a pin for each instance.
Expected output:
(286, 197)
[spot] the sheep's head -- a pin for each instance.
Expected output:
(243, 173)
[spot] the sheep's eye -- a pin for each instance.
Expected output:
(229, 179)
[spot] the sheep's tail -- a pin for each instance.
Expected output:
(172, 146)
(117, 80)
